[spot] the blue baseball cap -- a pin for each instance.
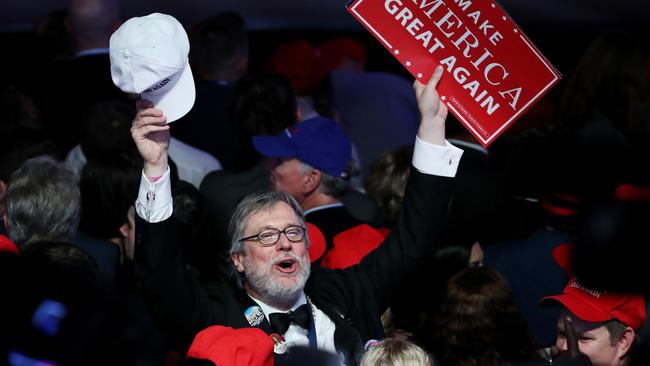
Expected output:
(319, 142)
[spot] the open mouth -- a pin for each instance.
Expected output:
(288, 265)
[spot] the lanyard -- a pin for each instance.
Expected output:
(311, 334)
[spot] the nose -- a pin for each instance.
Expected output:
(283, 242)
(561, 344)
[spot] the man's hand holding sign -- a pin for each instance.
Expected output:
(496, 72)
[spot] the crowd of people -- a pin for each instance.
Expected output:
(165, 203)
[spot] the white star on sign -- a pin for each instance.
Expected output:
(443, 98)
(396, 52)
(493, 6)
(419, 75)
(516, 31)
(408, 63)
(504, 17)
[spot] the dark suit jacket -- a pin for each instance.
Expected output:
(353, 298)
(476, 202)
(105, 254)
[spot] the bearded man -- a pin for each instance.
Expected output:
(331, 310)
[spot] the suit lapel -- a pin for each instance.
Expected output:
(346, 338)
(253, 315)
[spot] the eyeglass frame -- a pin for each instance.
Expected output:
(279, 233)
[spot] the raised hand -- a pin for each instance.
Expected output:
(572, 353)
(433, 112)
(151, 136)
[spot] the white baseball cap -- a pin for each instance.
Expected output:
(149, 57)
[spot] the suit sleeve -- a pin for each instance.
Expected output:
(416, 234)
(177, 299)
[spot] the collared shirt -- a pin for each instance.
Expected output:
(297, 335)
(318, 208)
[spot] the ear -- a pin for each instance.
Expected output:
(238, 261)
(624, 343)
(124, 230)
(311, 181)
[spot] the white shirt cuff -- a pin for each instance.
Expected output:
(154, 203)
(435, 159)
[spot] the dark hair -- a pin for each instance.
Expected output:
(106, 129)
(262, 104)
(386, 181)
(109, 186)
(218, 45)
(18, 110)
(64, 256)
(480, 322)
(612, 235)
(93, 21)
(610, 78)
(200, 248)
(53, 40)
(19, 145)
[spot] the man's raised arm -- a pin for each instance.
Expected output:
(150, 133)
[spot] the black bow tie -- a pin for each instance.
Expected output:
(280, 321)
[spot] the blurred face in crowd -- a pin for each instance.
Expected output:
(287, 175)
(594, 340)
(275, 274)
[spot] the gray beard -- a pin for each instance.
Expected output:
(274, 293)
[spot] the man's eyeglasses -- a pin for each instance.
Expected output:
(270, 237)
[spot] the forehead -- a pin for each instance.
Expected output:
(580, 326)
(279, 216)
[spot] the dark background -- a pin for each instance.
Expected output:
(561, 29)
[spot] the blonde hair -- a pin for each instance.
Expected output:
(395, 352)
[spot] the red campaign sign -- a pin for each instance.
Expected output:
(493, 71)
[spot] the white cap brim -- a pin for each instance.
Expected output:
(177, 99)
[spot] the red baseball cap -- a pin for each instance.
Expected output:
(226, 346)
(300, 63)
(317, 244)
(6, 245)
(334, 51)
(352, 245)
(598, 306)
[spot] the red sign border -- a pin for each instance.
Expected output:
(484, 141)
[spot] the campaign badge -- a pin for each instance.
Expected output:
(279, 343)
(254, 315)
